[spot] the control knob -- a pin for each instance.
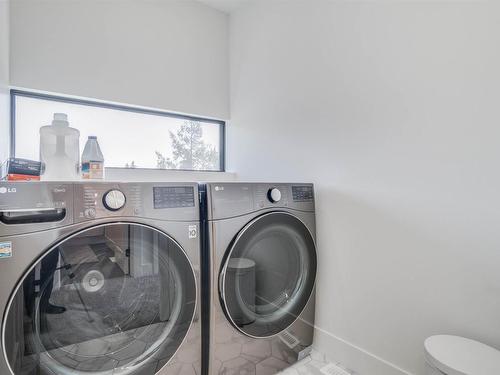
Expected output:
(90, 213)
(114, 200)
(274, 195)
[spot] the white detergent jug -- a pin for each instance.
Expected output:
(60, 150)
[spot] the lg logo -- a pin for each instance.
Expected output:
(4, 190)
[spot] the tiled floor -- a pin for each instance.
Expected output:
(311, 365)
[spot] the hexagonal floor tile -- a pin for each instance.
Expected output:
(256, 350)
(271, 366)
(238, 366)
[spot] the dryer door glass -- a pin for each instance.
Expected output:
(115, 299)
(268, 275)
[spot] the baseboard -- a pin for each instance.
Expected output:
(360, 361)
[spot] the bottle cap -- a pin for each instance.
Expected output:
(60, 119)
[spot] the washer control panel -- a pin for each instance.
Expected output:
(28, 207)
(98, 200)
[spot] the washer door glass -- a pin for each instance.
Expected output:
(115, 299)
(268, 274)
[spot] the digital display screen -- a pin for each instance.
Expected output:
(173, 196)
(302, 193)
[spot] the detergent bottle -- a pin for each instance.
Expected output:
(60, 150)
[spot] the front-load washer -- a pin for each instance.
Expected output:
(99, 278)
(260, 238)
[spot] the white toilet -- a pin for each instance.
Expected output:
(454, 355)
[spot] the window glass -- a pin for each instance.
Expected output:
(128, 138)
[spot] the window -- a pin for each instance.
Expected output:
(129, 137)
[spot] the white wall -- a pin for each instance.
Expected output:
(392, 110)
(4, 79)
(171, 55)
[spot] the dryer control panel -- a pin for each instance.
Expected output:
(232, 199)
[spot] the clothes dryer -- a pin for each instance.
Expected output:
(260, 239)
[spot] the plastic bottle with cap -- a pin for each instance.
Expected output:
(60, 150)
(92, 160)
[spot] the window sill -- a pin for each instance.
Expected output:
(160, 175)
